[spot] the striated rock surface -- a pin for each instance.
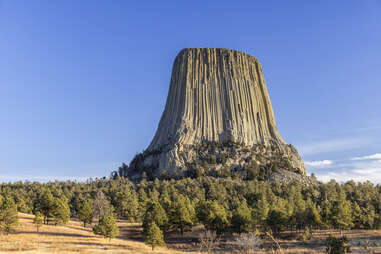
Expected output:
(216, 96)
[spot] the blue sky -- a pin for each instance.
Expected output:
(83, 83)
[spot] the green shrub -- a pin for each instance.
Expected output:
(338, 245)
(107, 227)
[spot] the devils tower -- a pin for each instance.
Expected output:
(218, 117)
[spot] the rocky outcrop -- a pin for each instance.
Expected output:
(287, 177)
(216, 96)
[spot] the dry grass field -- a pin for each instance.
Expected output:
(74, 238)
(71, 238)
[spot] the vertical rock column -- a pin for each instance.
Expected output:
(215, 95)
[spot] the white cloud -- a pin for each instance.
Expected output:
(347, 176)
(318, 163)
(368, 157)
(332, 145)
(357, 170)
(367, 167)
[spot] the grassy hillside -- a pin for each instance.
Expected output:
(71, 238)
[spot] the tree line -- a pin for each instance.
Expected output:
(221, 205)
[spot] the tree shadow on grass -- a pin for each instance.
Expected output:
(102, 245)
(86, 229)
(131, 232)
(53, 234)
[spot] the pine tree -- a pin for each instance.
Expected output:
(153, 235)
(85, 213)
(241, 220)
(155, 213)
(312, 216)
(144, 202)
(21, 205)
(369, 217)
(107, 227)
(182, 213)
(76, 202)
(325, 213)
(127, 204)
(8, 215)
(341, 215)
(299, 206)
(45, 204)
(276, 220)
(261, 210)
(60, 211)
(38, 220)
(213, 216)
(358, 216)
(123, 170)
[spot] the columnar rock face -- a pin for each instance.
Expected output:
(216, 96)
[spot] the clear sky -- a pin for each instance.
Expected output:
(83, 83)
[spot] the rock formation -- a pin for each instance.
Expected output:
(217, 97)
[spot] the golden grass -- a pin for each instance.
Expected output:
(71, 238)
(74, 238)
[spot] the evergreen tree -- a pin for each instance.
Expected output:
(76, 202)
(60, 211)
(21, 204)
(155, 213)
(85, 213)
(337, 245)
(358, 216)
(276, 221)
(369, 217)
(213, 216)
(123, 170)
(38, 220)
(261, 210)
(8, 215)
(45, 204)
(241, 220)
(325, 213)
(341, 206)
(153, 236)
(182, 213)
(299, 207)
(128, 204)
(341, 215)
(144, 202)
(312, 216)
(107, 227)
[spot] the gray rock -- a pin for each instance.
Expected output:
(215, 95)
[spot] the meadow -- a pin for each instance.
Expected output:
(74, 238)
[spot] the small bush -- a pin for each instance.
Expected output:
(209, 241)
(338, 245)
(248, 243)
(307, 235)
